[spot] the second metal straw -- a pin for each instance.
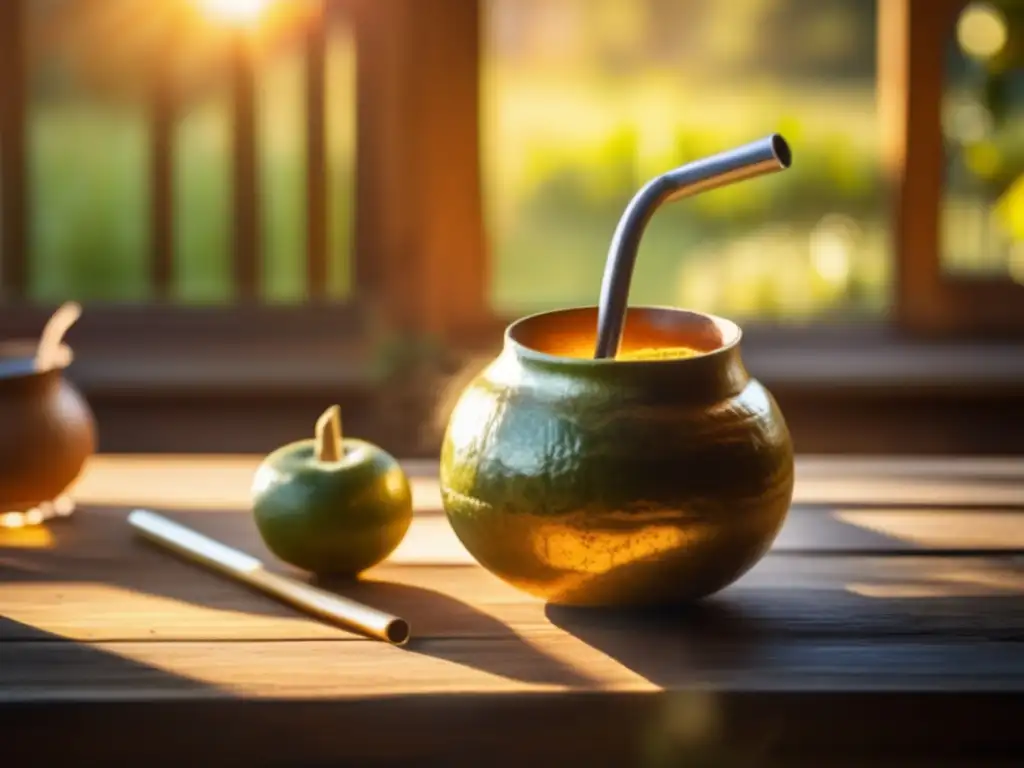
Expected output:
(767, 155)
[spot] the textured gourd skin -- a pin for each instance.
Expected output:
(590, 482)
(333, 519)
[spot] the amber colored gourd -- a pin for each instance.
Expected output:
(47, 431)
(617, 481)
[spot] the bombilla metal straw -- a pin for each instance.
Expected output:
(766, 155)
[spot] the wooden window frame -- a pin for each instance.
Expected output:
(421, 261)
(913, 37)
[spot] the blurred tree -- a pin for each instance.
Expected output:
(739, 38)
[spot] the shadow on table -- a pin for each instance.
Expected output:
(778, 629)
(49, 663)
(450, 629)
(98, 547)
(714, 655)
(44, 671)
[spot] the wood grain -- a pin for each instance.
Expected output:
(93, 580)
(766, 728)
(865, 605)
(223, 481)
(324, 669)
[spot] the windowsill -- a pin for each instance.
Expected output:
(873, 360)
(834, 361)
(857, 391)
(265, 369)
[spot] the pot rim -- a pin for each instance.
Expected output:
(730, 332)
(23, 350)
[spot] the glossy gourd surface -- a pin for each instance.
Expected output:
(622, 481)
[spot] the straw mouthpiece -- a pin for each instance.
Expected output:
(397, 632)
(781, 150)
(767, 155)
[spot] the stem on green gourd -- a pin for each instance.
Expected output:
(328, 435)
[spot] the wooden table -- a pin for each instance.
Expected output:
(887, 623)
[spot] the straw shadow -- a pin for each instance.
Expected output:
(446, 628)
(97, 546)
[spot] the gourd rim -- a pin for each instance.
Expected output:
(17, 359)
(730, 335)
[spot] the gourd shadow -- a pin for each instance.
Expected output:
(681, 649)
(444, 627)
(662, 644)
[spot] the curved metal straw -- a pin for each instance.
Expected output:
(766, 155)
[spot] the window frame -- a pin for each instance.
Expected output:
(418, 164)
(913, 37)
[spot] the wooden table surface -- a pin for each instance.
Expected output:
(887, 622)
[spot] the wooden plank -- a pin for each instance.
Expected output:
(933, 468)
(90, 579)
(870, 600)
(161, 181)
(213, 482)
(431, 541)
(820, 655)
(419, 240)
(245, 181)
(14, 193)
(316, 156)
(775, 728)
(222, 481)
(58, 671)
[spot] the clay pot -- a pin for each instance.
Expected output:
(47, 431)
(617, 482)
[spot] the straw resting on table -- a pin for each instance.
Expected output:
(250, 571)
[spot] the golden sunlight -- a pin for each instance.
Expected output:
(938, 528)
(981, 30)
(31, 536)
(221, 482)
(235, 11)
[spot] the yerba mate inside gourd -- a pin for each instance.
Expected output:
(659, 353)
(649, 334)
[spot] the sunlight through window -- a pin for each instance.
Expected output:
(235, 11)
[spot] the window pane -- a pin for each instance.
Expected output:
(585, 100)
(983, 122)
(341, 152)
(86, 155)
(202, 202)
(93, 66)
(282, 106)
